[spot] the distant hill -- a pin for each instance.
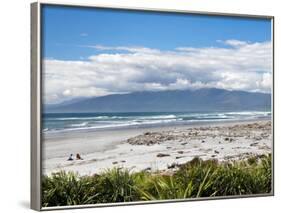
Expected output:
(169, 101)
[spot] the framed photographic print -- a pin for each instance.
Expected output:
(138, 105)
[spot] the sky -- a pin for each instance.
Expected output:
(91, 52)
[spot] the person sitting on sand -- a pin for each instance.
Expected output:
(78, 157)
(70, 157)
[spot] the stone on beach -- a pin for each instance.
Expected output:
(151, 138)
(160, 155)
(172, 166)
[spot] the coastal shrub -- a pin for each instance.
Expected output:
(116, 185)
(196, 178)
(68, 189)
(201, 174)
(162, 187)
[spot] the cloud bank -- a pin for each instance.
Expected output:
(237, 65)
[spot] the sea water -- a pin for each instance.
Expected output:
(65, 122)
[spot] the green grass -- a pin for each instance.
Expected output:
(196, 178)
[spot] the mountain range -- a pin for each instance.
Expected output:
(210, 99)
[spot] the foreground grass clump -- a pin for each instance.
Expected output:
(196, 178)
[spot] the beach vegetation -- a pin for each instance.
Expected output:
(197, 178)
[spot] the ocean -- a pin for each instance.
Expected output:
(66, 122)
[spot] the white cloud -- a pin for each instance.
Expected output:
(83, 34)
(234, 43)
(118, 48)
(240, 66)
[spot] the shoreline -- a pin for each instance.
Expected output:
(78, 133)
(102, 150)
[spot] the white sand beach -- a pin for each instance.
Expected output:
(155, 149)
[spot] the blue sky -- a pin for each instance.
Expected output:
(95, 52)
(67, 28)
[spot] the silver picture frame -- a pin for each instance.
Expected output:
(36, 101)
